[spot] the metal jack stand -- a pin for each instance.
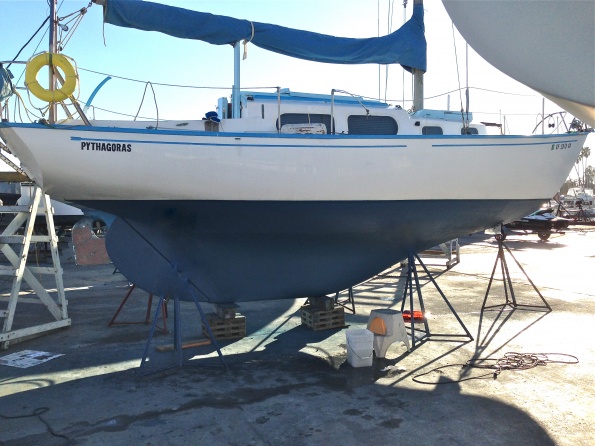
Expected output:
(507, 283)
(178, 333)
(147, 320)
(348, 303)
(412, 276)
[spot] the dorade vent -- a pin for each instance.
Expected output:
(372, 125)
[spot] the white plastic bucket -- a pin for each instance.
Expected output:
(360, 348)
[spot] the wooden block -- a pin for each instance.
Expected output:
(322, 319)
(224, 329)
(187, 344)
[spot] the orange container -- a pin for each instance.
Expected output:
(417, 315)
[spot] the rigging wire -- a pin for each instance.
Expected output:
(458, 73)
(482, 89)
(269, 87)
(74, 22)
(391, 11)
(29, 41)
(160, 83)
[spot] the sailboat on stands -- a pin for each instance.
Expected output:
(286, 195)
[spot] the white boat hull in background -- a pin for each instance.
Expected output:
(547, 45)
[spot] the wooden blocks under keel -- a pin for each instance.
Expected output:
(320, 314)
(224, 329)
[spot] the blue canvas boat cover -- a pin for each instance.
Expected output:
(406, 46)
(6, 87)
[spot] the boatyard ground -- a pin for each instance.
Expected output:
(288, 384)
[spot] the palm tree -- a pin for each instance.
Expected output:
(580, 166)
(589, 177)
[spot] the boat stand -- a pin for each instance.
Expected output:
(19, 270)
(147, 320)
(178, 334)
(348, 303)
(510, 298)
(426, 334)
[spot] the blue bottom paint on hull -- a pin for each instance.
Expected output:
(235, 251)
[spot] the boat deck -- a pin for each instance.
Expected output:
(288, 384)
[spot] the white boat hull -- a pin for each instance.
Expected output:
(159, 165)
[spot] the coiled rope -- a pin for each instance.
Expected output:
(510, 361)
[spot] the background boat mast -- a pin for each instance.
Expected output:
(53, 48)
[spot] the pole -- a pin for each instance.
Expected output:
(235, 94)
(418, 79)
(418, 89)
(53, 49)
(466, 85)
(403, 71)
(378, 15)
(543, 116)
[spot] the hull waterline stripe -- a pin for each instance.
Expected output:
(239, 143)
(383, 146)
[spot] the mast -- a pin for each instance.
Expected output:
(418, 79)
(235, 92)
(53, 49)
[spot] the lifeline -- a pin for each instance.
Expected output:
(106, 147)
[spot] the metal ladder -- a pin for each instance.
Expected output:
(15, 248)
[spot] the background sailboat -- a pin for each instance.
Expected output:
(546, 45)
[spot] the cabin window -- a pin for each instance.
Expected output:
(306, 118)
(469, 131)
(372, 125)
(431, 130)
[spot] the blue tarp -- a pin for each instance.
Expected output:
(6, 87)
(406, 46)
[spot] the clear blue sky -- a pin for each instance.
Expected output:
(162, 59)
